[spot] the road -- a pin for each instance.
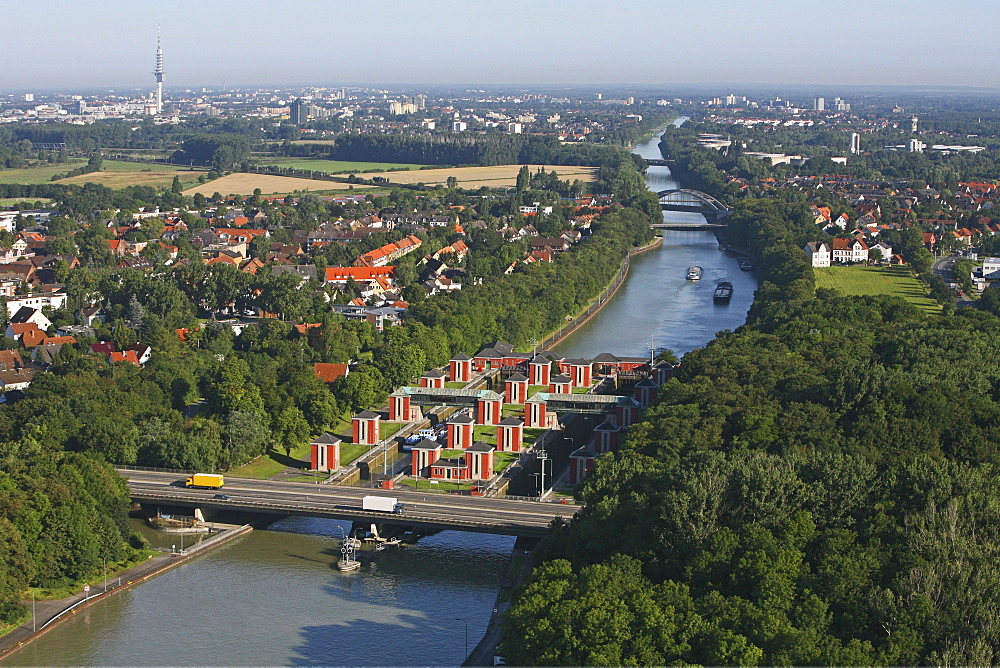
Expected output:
(943, 267)
(422, 509)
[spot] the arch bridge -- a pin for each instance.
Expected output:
(693, 201)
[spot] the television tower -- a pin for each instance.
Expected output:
(158, 73)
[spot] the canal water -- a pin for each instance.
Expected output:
(657, 306)
(275, 598)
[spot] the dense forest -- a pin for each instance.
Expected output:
(817, 487)
(461, 149)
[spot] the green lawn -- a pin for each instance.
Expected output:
(332, 166)
(351, 451)
(863, 280)
(387, 429)
(502, 460)
(531, 434)
(515, 410)
(272, 463)
(455, 385)
(43, 594)
(486, 433)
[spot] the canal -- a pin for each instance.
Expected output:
(275, 598)
(657, 306)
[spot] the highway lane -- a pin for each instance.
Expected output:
(431, 509)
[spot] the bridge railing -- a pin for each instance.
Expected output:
(155, 469)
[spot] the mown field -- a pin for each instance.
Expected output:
(498, 176)
(334, 166)
(861, 280)
(121, 173)
(115, 174)
(243, 183)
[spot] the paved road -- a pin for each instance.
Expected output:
(943, 267)
(423, 509)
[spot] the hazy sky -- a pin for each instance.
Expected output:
(111, 43)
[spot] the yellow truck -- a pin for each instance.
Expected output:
(210, 480)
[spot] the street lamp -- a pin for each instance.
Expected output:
(459, 619)
(542, 458)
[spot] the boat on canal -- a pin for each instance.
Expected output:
(723, 292)
(745, 264)
(347, 562)
(694, 273)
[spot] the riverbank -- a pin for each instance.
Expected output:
(598, 303)
(48, 615)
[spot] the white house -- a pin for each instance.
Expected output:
(849, 250)
(818, 253)
(883, 251)
(53, 300)
(26, 315)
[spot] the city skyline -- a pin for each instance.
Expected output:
(441, 42)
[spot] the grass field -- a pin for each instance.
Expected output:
(272, 463)
(499, 176)
(862, 281)
(115, 174)
(36, 175)
(14, 201)
(332, 166)
(243, 183)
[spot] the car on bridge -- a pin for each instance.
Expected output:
(222, 497)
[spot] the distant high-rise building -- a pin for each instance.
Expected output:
(402, 108)
(458, 126)
(299, 112)
(855, 143)
(915, 146)
(913, 125)
(158, 73)
(730, 100)
(29, 97)
(515, 128)
(819, 104)
(840, 105)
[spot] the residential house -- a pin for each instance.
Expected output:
(53, 300)
(818, 253)
(849, 251)
(27, 314)
(881, 252)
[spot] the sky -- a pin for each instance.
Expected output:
(69, 44)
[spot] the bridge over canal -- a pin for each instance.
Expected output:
(424, 510)
(692, 201)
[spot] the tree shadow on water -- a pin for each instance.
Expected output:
(409, 640)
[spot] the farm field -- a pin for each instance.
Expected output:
(498, 176)
(862, 281)
(244, 183)
(332, 166)
(121, 173)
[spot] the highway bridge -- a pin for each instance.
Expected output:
(424, 510)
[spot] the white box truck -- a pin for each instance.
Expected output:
(383, 504)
